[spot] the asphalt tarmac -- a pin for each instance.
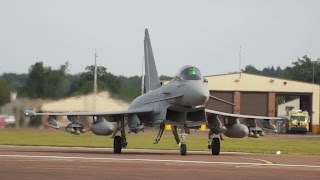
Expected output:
(28, 162)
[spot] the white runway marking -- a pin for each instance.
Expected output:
(125, 150)
(157, 160)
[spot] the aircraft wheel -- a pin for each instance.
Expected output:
(117, 145)
(215, 145)
(183, 149)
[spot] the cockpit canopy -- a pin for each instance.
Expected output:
(189, 73)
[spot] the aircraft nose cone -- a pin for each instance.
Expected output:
(197, 94)
(202, 97)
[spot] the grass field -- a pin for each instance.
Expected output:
(292, 144)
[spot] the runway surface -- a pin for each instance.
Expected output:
(27, 162)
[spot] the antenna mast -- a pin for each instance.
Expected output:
(240, 62)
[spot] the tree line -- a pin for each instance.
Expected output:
(44, 82)
(304, 69)
(47, 83)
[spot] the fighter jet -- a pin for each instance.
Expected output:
(180, 103)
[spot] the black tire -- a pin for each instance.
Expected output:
(215, 146)
(117, 145)
(183, 149)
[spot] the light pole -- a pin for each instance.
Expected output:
(313, 72)
(95, 86)
(314, 66)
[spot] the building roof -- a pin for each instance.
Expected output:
(259, 75)
(251, 82)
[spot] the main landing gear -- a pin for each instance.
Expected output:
(119, 142)
(117, 145)
(214, 143)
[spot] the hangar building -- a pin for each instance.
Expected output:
(256, 95)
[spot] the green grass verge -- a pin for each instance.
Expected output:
(195, 141)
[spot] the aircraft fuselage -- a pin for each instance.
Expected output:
(177, 102)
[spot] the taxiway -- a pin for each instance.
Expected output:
(28, 162)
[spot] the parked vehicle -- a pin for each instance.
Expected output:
(8, 119)
(297, 121)
(2, 122)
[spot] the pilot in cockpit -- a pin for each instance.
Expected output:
(189, 73)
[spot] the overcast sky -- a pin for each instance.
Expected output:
(204, 33)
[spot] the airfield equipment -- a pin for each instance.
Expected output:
(297, 121)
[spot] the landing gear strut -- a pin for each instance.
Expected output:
(182, 139)
(161, 129)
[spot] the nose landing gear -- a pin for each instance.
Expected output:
(182, 139)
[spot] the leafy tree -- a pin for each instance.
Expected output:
(251, 69)
(130, 88)
(279, 72)
(269, 71)
(43, 82)
(16, 81)
(165, 78)
(83, 82)
(302, 70)
(4, 92)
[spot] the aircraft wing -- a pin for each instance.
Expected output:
(111, 113)
(240, 115)
(252, 125)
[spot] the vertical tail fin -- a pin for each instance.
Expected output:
(142, 78)
(151, 75)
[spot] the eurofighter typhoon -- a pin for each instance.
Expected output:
(180, 103)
